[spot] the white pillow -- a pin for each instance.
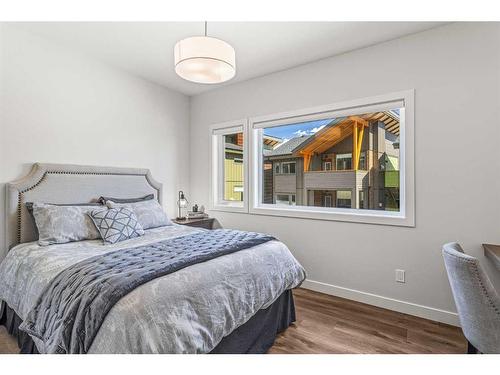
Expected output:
(149, 213)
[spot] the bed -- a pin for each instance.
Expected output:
(233, 303)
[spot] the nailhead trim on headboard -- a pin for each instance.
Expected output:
(20, 195)
(20, 205)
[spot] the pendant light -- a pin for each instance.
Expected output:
(204, 59)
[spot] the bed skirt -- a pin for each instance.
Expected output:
(256, 336)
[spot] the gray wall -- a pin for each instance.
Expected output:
(58, 106)
(455, 70)
(285, 183)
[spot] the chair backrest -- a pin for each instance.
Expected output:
(477, 301)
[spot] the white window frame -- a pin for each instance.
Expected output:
(325, 163)
(217, 201)
(406, 215)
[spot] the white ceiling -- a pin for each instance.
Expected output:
(146, 49)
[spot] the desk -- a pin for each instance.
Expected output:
(492, 252)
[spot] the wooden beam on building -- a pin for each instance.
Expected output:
(361, 133)
(359, 120)
(307, 160)
(357, 142)
(355, 145)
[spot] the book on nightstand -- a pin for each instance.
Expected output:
(196, 215)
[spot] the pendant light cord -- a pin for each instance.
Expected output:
(205, 28)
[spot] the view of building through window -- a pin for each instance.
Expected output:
(233, 167)
(344, 162)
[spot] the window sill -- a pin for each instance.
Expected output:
(332, 214)
(229, 208)
(325, 214)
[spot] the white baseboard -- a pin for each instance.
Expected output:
(426, 312)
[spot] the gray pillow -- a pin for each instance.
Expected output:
(61, 224)
(103, 200)
(149, 213)
(116, 224)
(29, 207)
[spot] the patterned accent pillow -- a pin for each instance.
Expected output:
(149, 213)
(61, 224)
(116, 224)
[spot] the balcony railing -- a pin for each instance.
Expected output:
(343, 179)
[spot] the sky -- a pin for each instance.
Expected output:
(286, 132)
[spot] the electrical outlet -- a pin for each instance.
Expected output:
(400, 276)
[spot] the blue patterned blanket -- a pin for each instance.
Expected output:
(70, 311)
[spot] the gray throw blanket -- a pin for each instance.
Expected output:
(70, 311)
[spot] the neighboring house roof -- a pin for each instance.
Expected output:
(271, 141)
(333, 133)
(389, 118)
(342, 127)
(314, 137)
(268, 141)
(287, 147)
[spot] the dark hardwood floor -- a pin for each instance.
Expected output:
(8, 344)
(327, 324)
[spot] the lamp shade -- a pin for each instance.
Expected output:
(182, 203)
(203, 59)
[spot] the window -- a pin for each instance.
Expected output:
(233, 167)
(362, 199)
(288, 168)
(228, 166)
(362, 161)
(365, 133)
(284, 167)
(344, 162)
(327, 200)
(285, 199)
(343, 199)
(366, 146)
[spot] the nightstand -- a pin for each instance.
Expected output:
(207, 222)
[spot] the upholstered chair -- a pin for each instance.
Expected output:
(478, 303)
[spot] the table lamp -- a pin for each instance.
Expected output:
(182, 202)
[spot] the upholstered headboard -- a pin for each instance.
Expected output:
(64, 183)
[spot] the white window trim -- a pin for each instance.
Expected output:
(406, 215)
(216, 166)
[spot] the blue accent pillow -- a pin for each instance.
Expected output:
(116, 224)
